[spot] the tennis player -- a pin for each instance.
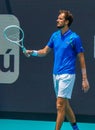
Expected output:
(66, 45)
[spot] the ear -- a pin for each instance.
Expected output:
(67, 22)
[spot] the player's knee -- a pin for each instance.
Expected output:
(61, 104)
(60, 107)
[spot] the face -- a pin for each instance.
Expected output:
(61, 22)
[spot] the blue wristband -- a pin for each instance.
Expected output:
(34, 53)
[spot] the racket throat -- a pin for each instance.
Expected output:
(24, 49)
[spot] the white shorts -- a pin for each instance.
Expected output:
(63, 85)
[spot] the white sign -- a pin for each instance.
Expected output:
(9, 53)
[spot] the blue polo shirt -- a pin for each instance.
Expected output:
(66, 47)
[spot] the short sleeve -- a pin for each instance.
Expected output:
(50, 42)
(78, 45)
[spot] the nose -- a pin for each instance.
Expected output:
(57, 20)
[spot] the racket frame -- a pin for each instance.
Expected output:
(16, 42)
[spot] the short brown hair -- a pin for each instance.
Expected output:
(68, 16)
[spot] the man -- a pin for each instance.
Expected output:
(67, 46)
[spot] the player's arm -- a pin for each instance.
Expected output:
(40, 53)
(85, 83)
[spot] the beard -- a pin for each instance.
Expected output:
(60, 27)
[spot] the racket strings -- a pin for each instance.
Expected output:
(14, 37)
(14, 34)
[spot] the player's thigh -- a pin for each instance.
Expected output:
(61, 102)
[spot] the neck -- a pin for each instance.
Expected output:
(65, 29)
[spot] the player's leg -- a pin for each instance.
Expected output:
(61, 106)
(71, 116)
(69, 113)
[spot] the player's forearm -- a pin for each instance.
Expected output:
(84, 73)
(39, 53)
(83, 66)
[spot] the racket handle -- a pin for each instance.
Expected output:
(24, 51)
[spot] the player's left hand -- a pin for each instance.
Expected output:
(85, 85)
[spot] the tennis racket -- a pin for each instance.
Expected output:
(14, 34)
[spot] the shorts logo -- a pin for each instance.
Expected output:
(9, 53)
